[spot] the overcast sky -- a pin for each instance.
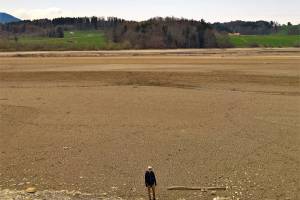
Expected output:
(281, 11)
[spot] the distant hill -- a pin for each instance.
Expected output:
(94, 33)
(7, 18)
(248, 27)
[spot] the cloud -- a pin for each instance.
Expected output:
(40, 13)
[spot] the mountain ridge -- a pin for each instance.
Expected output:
(7, 18)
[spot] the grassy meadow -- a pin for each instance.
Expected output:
(73, 40)
(96, 40)
(264, 41)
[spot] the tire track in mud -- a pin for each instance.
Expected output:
(183, 80)
(151, 78)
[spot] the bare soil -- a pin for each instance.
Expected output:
(85, 125)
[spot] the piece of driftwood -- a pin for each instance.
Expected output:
(195, 188)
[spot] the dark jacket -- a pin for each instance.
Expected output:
(150, 179)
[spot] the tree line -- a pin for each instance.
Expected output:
(257, 28)
(153, 33)
(164, 33)
(157, 32)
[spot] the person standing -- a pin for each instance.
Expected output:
(150, 182)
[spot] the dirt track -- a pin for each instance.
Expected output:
(93, 122)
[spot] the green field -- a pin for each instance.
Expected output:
(77, 40)
(96, 40)
(265, 41)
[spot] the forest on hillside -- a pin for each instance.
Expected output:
(157, 32)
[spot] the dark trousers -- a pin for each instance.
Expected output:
(153, 191)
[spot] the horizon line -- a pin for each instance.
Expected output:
(154, 17)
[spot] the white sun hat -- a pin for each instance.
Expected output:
(149, 167)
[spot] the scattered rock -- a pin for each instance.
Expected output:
(48, 194)
(31, 190)
(222, 198)
(76, 194)
(114, 188)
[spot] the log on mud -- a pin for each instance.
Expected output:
(195, 188)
